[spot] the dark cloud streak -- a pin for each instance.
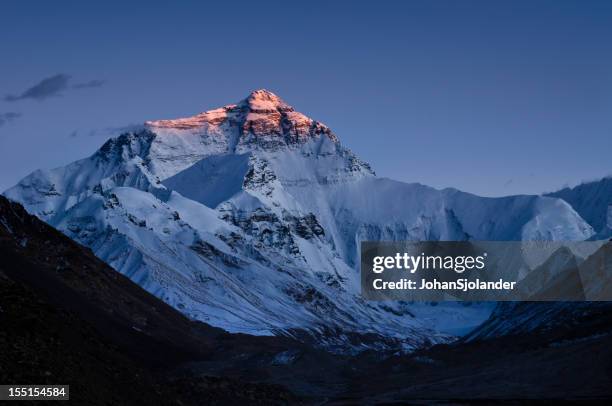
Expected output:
(52, 86)
(46, 88)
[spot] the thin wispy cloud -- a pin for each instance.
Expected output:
(8, 117)
(106, 131)
(124, 129)
(52, 86)
(90, 84)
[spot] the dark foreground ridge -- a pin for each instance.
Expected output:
(68, 318)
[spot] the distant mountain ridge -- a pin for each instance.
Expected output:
(249, 217)
(593, 201)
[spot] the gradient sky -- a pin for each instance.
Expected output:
(490, 97)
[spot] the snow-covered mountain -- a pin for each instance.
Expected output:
(593, 201)
(249, 217)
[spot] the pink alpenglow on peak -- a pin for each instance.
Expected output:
(262, 113)
(262, 101)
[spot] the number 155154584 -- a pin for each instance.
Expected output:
(34, 392)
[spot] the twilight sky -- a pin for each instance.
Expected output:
(493, 98)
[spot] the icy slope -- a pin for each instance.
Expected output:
(249, 217)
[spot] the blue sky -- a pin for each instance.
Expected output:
(493, 98)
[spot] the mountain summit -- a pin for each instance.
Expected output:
(263, 100)
(249, 217)
(261, 114)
